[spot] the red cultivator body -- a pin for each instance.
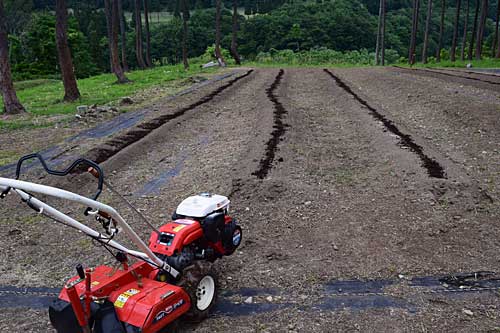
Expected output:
(172, 278)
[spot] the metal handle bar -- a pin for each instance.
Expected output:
(66, 171)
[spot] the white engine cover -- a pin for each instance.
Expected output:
(202, 205)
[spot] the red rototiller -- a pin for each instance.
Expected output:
(172, 278)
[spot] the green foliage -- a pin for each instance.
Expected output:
(341, 25)
(34, 53)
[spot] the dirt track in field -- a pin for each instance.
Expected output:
(345, 227)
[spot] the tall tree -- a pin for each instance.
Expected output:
(71, 92)
(108, 14)
(149, 63)
(414, 29)
(115, 27)
(427, 29)
(466, 26)
(379, 34)
(480, 30)
(495, 38)
(382, 35)
(10, 101)
(234, 37)
(441, 31)
(474, 31)
(123, 34)
(455, 32)
(218, 53)
(138, 35)
(185, 18)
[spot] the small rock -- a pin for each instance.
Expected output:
(126, 101)
(247, 209)
(269, 298)
(77, 116)
(468, 312)
(457, 217)
(469, 65)
(81, 109)
(291, 326)
(249, 300)
(335, 248)
(401, 276)
(307, 203)
(229, 278)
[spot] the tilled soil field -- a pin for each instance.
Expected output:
(368, 198)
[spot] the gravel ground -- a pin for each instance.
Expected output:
(343, 201)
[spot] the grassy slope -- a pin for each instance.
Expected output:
(43, 98)
(485, 63)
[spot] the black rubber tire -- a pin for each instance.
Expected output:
(191, 276)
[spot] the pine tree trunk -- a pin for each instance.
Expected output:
(474, 31)
(107, 12)
(413, 42)
(495, 38)
(379, 33)
(114, 51)
(10, 100)
(455, 32)
(480, 30)
(234, 39)
(441, 31)
(138, 35)
(427, 29)
(185, 18)
(382, 36)
(71, 92)
(123, 34)
(149, 62)
(218, 53)
(466, 26)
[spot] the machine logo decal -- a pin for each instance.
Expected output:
(123, 298)
(168, 310)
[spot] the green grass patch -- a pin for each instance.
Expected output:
(485, 63)
(44, 97)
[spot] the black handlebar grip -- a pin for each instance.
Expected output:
(88, 163)
(80, 271)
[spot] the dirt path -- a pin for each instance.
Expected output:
(345, 227)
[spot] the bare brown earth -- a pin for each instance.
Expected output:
(347, 231)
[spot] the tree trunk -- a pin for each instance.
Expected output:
(379, 33)
(455, 32)
(185, 18)
(382, 35)
(123, 34)
(466, 26)
(427, 28)
(10, 101)
(474, 31)
(218, 53)
(149, 63)
(107, 12)
(234, 39)
(495, 39)
(115, 27)
(441, 31)
(138, 35)
(480, 30)
(71, 92)
(414, 29)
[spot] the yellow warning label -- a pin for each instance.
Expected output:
(179, 228)
(123, 298)
(95, 283)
